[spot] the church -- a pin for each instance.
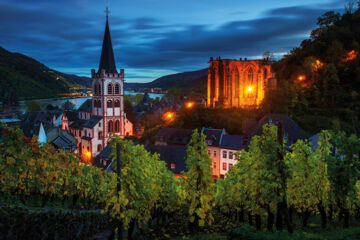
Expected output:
(97, 118)
(238, 83)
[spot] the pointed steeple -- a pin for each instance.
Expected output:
(107, 60)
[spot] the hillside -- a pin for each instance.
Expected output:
(320, 80)
(28, 78)
(189, 82)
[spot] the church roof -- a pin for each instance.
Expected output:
(86, 106)
(90, 123)
(107, 60)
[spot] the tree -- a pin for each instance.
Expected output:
(198, 180)
(33, 105)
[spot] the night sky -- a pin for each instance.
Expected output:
(152, 38)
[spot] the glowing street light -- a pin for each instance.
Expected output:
(189, 104)
(250, 89)
(169, 116)
(301, 78)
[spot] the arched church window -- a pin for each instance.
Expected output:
(109, 104)
(110, 126)
(117, 103)
(117, 126)
(265, 73)
(250, 76)
(99, 89)
(99, 104)
(95, 89)
(117, 88)
(95, 104)
(110, 88)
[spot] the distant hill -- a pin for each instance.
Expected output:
(28, 78)
(188, 81)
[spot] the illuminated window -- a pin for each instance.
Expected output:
(117, 103)
(224, 154)
(224, 166)
(230, 155)
(172, 165)
(110, 88)
(117, 88)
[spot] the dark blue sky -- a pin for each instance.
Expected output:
(152, 38)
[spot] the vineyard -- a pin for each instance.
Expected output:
(273, 187)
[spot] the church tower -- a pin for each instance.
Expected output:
(108, 92)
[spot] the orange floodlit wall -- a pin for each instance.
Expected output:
(238, 83)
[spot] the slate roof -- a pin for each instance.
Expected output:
(105, 153)
(72, 115)
(86, 106)
(232, 142)
(31, 121)
(291, 130)
(107, 60)
(169, 154)
(78, 124)
(175, 136)
(90, 123)
(64, 143)
(213, 136)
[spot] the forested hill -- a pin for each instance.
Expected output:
(28, 78)
(320, 80)
(189, 82)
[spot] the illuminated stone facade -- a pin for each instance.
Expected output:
(238, 83)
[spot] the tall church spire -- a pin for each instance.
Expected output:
(107, 60)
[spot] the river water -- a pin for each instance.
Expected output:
(76, 101)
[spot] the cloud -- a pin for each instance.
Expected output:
(70, 38)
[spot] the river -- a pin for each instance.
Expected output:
(76, 101)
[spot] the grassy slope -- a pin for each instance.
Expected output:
(29, 78)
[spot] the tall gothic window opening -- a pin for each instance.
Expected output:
(117, 88)
(109, 104)
(99, 104)
(117, 126)
(99, 89)
(110, 126)
(95, 89)
(95, 104)
(110, 88)
(117, 103)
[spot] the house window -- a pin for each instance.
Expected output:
(85, 133)
(99, 124)
(109, 104)
(99, 148)
(224, 166)
(88, 148)
(214, 164)
(230, 166)
(230, 155)
(172, 165)
(117, 103)
(224, 154)
(117, 89)
(214, 153)
(110, 88)
(100, 135)
(79, 133)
